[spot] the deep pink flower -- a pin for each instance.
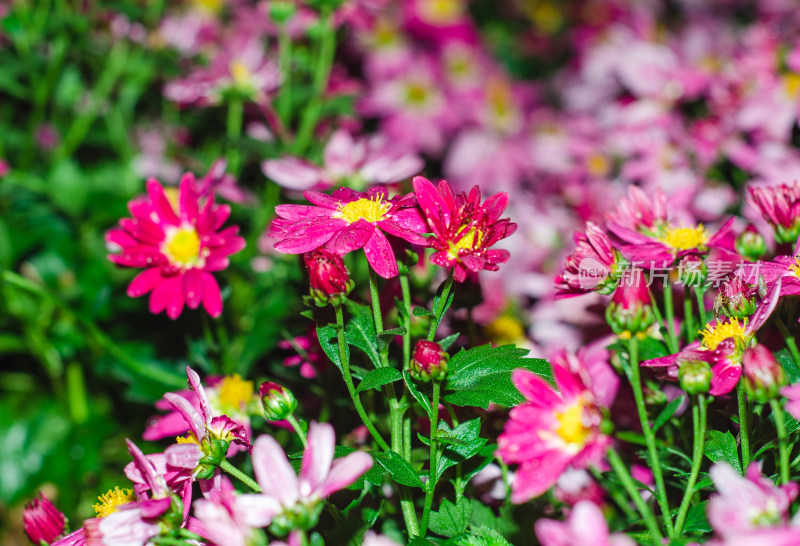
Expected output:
(175, 237)
(429, 361)
(327, 275)
(638, 212)
(464, 229)
(550, 431)
(348, 220)
(585, 525)
(780, 206)
(594, 265)
(42, 520)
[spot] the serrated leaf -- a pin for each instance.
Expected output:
(479, 536)
(482, 375)
(327, 336)
(418, 395)
(421, 312)
(696, 521)
(667, 412)
(360, 332)
(399, 469)
(379, 377)
(451, 519)
(789, 365)
(721, 446)
(469, 444)
(447, 342)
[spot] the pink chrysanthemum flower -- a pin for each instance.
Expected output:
(226, 517)
(585, 525)
(43, 522)
(348, 220)
(594, 265)
(464, 230)
(780, 206)
(176, 237)
(553, 430)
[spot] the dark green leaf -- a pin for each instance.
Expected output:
(696, 521)
(722, 447)
(399, 469)
(415, 391)
(469, 443)
(421, 312)
(479, 536)
(360, 331)
(667, 412)
(448, 341)
(327, 336)
(451, 519)
(378, 377)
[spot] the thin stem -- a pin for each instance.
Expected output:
(406, 317)
(663, 327)
(655, 463)
(744, 429)
(633, 492)
(441, 306)
(688, 315)
(348, 379)
(234, 131)
(434, 455)
(669, 315)
(239, 475)
(699, 293)
(699, 416)
(285, 56)
(298, 429)
(783, 448)
(789, 340)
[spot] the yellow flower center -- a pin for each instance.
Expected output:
(714, 335)
(416, 93)
(385, 33)
(190, 438)
(547, 17)
(791, 85)
(235, 392)
(441, 11)
(794, 269)
(597, 165)
(241, 74)
(468, 241)
(112, 500)
(505, 329)
(685, 238)
(208, 6)
(182, 246)
(571, 428)
(370, 209)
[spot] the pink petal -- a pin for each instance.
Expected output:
(381, 256)
(193, 288)
(536, 476)
(200, 391)
(144, 282)
(161, 204)
(184, 455)
(345, 471)
(212, 297)
(194, 420)
(340, 154)
(273, 472)
(292, 173)
(258, 510)
(175, 303)
(188, 198)
(161, 294)
(535, 389)
(317, 457)
(724, 378)
(351, 237)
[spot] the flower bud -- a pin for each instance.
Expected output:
(692, 271)
(328, 277)
(763, 375)
(429, 361)
(695, 376)
(750, 244)
(630, 311)
(43, 522)
(278, 402)
(736, 299)
(281, 11)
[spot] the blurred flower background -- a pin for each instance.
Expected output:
(561, 104)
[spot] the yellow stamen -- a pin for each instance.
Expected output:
(505, 329)
(112, 500)
(182, 246)
(208, 6)
(685, 238)
(791, 85)
(241, 74)
(190, 438)
(716, 334)
(471, 239)
(794, 269)
(370, 209)
(441, 11)
(235, 392)
(597, 165)
(416, 93)
(571, 428)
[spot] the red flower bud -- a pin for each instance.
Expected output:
(763, 375)
(43, 521)
(429, 361)
(278, 401)
(630, 311)
(328, 277)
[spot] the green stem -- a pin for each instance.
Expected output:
(783, 448)
(76, 393)
(239, 475)
(744, 429)
(406, 317)
(699, 416)
(441, 306)
(298, 429)
(633, 492)
(233, 132)
(688, 315)
(348, 379)
(790, 342)
(649, 436)
(669, 315)
(433, 476)
(285, 56)
(699, 293)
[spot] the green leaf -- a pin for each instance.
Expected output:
(479, 536)
(418, 395)
(468, 443)
(667, 412)
(378, 377)
(399, 469)
(789, 365)
(482, 375)
(421, 312)
(451, 519)
(327, 336)
(449, 340)
(360, 331)
(696, 521)
(721, 446)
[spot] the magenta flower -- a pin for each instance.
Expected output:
(346, 161)
(176, 237)
(551, 431)
(43, 521)
(348, 220)
(464, 230)
(594, 265)
(285, 496)
(585, 525)
(227, 518)
(792, 394)
(328, 277)
(638, 212)
(780, 206)
(748, 503)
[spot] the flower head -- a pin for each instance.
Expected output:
(763, 375)
(226, 517)
(550, 431)
(594, 265)
(780, 206)
(176, 237)
(328, 277)
(585, 525)
(43, 522)
(429, 361)
(464, 229)
(348, 220)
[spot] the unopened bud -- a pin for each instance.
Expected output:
(750, 244)
(630, 312)
(328, 278)
(42, 521)
(736, 299)
(278, 401)
(281, 11)
(763, 375)
(695, 376)
(692, 271)
(429, 361)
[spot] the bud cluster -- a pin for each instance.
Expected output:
(429, 362)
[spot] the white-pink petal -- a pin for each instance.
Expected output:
(317, 458)
(273, 472)
(345, 471)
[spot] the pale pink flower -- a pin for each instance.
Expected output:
(585, 525)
